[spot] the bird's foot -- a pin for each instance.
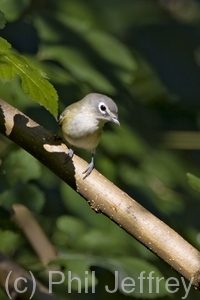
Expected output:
(88, 170)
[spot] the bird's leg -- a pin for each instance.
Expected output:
(71, 152)
(90, 166)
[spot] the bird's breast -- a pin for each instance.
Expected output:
(87, 141)
(82, 131)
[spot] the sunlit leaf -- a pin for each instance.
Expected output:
(33, 80)
(13, 93)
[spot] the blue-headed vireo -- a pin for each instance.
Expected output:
(82, 123)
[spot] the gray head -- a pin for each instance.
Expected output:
(103, 106)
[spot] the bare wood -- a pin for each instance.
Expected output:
(34, 233)
(102, 195)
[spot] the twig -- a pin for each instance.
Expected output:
(34, 233)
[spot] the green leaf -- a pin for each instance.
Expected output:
(105, 44)
(147, 86)
(57, 74)
(136, 271)
(71, 226)
(9, 241)
(75, 204)
(147, 280)
(100, 241)
(122, 61)
(34, 198)
(2, 20)
(16, 170)
(48, 27)
(33, 80)
(13, 9)
(118, 55)
(20, 166)
(27, 194)
(4, 46)
(124, 140)
(76, 265)
(81, 269)
(78, 65)
(14, 95)
(111, 49)
(3, 296)
(194, 182)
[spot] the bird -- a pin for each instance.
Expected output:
(83, 121)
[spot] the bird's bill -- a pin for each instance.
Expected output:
(115, 120)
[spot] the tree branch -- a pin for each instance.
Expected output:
(24, 219)
(102, 195)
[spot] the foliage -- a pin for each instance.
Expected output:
(33, 80)
(194, 181)
(145, 55)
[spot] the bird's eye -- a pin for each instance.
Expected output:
(102, 107)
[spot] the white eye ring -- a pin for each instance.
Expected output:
(103, 108)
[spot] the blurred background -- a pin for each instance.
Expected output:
(145, 55)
